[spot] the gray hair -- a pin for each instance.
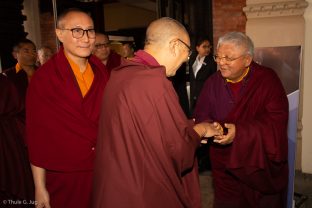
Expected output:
(238, 39)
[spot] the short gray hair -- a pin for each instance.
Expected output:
(238, 39)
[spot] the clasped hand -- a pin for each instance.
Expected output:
(226, 138)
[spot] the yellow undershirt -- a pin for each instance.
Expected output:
(241, 78)
(85, 78)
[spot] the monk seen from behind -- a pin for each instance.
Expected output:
(146, 146)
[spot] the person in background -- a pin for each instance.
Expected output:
(128, 50)
(44, 54)
(249, 162)
(63, 108)
(25, 53)
(103, 51)
(202, 66)
(16, 182)
(146, 146)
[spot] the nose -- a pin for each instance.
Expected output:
(85, 37)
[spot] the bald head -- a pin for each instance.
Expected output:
(62, 18)
(164, 29)
(168, 42)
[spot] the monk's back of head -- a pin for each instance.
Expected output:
(168, 42)
(163, 29)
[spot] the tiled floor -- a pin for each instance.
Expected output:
(206, 189)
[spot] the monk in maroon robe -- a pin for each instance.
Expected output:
(63, 108)
(103, 51)
(249, 162)
(24, 51)
(146, 145)
(16, 181)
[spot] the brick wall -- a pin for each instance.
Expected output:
(228, 16)
(47, 30)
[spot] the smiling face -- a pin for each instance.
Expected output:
(26, 55)
(102, 47)
(76, 48)
(238, 61)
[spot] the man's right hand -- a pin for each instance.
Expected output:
(41, 193)
(42, 198)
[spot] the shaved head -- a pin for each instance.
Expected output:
(168, 42)
(163, 29)
(61, 20)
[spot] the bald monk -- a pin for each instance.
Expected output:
(103, 51)
(63, 105)
(146, 145)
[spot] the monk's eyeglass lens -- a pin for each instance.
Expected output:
(79, 32)
(225, 58)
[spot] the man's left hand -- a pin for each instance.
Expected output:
(227, 138)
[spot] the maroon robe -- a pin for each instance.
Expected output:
(61, 127)
(253, 170)
(146, 145)
(113, 61)
(20, 80)
(16, 181)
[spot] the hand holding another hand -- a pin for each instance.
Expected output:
(226, 138)
(206, 129)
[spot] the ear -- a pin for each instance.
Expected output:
(197, 48)
(248, 60)
(59, 34)
(14, 54)
(173, 46)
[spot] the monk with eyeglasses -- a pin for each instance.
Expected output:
(63, 107)
(146, 146)
(103, 51)
(249, 162)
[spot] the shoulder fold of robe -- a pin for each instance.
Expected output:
(61, 124)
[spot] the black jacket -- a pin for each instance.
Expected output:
(208, 67)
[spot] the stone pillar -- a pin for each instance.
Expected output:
(281, 23)
(306, 97)
(32, 24)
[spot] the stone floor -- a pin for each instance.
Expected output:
(206, 189)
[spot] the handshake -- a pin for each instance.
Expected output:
(223, 134)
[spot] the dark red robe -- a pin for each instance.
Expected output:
(16, 181)
(253, 170)
(113, 61)
(20, 81)
(146, 145)
(62, 126)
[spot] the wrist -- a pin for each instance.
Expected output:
(200, 130)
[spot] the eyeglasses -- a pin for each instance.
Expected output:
(79, 32)
(101, 45)
(188, 47)
(225, 58)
